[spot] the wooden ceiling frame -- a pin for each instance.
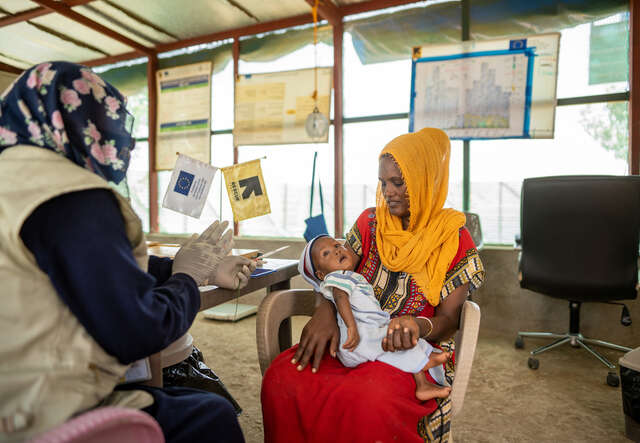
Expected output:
(326, 9)
(65, 10)
(36, 12)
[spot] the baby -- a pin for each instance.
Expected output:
(329, 267)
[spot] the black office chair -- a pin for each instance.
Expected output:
(579, 238)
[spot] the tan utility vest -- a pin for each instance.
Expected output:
(50, 367)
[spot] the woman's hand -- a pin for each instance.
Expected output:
(320, 330)
(403, 333)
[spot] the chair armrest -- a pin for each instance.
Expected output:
(276, 307)
(466, 340)
(155, 362)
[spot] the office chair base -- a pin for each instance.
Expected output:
(575, 339)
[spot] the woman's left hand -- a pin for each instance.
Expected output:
(403, 333)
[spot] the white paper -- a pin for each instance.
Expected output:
(189, 186)
(184, 113)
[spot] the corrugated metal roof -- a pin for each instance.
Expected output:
(149, 23)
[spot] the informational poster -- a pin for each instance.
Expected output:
(486, 89)
(272, 108)
(184, 114)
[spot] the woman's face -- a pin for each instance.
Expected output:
(393, 187)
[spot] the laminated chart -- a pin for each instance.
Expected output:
(486, 90)
(272, 108)
(184, 114)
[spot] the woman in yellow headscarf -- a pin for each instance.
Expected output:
(422, 264)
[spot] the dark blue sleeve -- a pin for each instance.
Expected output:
(160, 268)
(79, 240)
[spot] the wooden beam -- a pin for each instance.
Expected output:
(236, 73)
(327, 11)
(338, 161)
(140, 19)
(258, 28)
(152, 67)
(66, 11)
(35, 12)
(10, 69)
(634, 87)
(113, 59)
(372, 5)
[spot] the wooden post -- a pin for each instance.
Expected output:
(466, 144)
(152, 66)
(338, 34)
(236, 57)
(634, 87)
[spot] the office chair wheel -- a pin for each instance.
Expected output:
(533, 363)
(519, 342)
(613, 379)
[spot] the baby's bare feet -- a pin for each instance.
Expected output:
(437, 359)
(429, 391)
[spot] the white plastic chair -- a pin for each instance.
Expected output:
(273, 334)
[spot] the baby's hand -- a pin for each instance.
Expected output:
(353, 338)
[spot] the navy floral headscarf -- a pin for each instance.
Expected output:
(69, 109)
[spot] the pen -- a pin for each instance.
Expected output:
(270, 253)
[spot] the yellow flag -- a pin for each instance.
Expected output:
(246, 189)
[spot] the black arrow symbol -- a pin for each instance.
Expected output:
(250, 185)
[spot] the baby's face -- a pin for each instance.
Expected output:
(330, 255)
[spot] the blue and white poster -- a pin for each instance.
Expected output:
(486, 90)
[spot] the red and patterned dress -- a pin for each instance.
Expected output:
(373, 402)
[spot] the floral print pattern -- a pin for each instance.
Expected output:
(7, 137)
(69, 109)
(40, 77)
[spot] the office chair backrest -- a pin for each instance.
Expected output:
(580, 236)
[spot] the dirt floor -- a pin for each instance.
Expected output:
(565, 400)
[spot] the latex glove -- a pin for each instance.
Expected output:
(234, 272)
(201, 255)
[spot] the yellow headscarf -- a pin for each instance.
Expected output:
(425, 250)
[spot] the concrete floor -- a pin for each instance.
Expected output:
(565, 400)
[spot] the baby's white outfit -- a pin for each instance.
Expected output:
(372, 323)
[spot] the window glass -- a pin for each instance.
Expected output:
(138, 172)
(286, 170)
(363, 94)
(222, 98)
(594, 58)
(138, 182)
(589, 139)
(363, 143)
(300, 59)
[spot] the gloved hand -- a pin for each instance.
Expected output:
(201, 255)
(234, 272)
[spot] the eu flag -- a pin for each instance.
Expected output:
(184, 182)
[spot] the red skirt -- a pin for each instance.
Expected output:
(373, 402)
